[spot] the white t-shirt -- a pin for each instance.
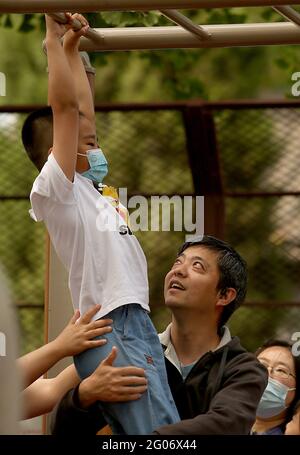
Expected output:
(106, 263)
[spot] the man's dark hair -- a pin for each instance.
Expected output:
(273, 342)
(232, 268)
(37, 135)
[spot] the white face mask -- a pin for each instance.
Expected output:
(272, 402)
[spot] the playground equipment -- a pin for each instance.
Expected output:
(185, 34)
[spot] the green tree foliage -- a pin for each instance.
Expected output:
(150, 75)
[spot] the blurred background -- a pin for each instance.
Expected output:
(239, 147)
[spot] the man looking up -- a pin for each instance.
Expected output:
(215, 382)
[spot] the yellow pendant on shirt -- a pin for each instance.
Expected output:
(111, 195)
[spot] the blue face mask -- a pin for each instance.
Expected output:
(98, 165)
(272, 402)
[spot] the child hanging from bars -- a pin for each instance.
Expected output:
(105, 265)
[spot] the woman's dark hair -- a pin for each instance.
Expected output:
(296, 407)
(285, 344)
(232, 269)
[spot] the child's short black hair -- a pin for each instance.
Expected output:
(37, 135)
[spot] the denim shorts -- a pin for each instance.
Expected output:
(138, 345)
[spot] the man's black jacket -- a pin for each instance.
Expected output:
(218, 397)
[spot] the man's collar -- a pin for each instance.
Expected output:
(165, 337)
(226, 337)
(170, 353)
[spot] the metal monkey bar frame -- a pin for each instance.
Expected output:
(185, 34)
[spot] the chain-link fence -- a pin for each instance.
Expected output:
(149, 154)
(259, 155)
(21, 241)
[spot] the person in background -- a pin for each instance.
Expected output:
(276, 406)
(21, 377)
(41, 395)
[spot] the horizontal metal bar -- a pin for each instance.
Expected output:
(280, 304)
(21, 305)
(229, 194)
(103, 107)
(76, 25)
(14, 198)
(41, 6)
(264, 303)
(186, 23)
(254, 104)
(61, 18)
(134, 38)
(289, 13)
(248, 195)
(175, 105)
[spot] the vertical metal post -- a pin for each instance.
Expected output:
(205, 166)
(58, 309)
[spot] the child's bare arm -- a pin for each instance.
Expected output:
(41, 396)
(63, 99)
(75, 338)
(82, 85)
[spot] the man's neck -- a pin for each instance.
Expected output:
(193, 338)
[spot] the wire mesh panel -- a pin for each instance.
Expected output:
(259, 153)
(146, 151)
(259, 149)
(21, 240)
(147, 154)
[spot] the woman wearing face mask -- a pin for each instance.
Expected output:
(276, 406)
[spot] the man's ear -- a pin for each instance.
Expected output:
(50, 150)
(225, 297)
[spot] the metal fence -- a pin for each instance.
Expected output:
(242, 157)
(259, 155)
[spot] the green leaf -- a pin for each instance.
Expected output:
(150, 18)
(96, 20)
(124, 19)
(216, 17)
(270, 15)
(26, 25)
(42, 22)
(8, 22)
(118, 19)
(233, 18)
(282, 63)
